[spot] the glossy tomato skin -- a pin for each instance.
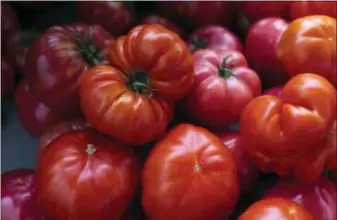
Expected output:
(157, 19)
(9, 21)
(116, 17)
(318, 197)
(56, 61)
(293, 133)
(18, 196)
(93, 167)
(261, 53)
(216, 100)
(275, 208)
(300, 9)
(299, 53)
(200, 180)
(274, 91)
(7, 78)
(214, 37)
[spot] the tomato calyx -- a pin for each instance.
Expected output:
(88, 49)
(91, 149)
(198, 43)
(139, 82)
(225, 71)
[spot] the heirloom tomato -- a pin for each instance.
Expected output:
(274, 91)
(308, 45)
(275, 209)
(7, 78)
(293, 133)
(82, 175)
(59, 57)
(18, 196)
(300, 9)
(9, 22)
(318, 197)
(132, 99)
(224, 86)
(189, 174)
(157, 19)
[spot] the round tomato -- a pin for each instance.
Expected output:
(7, 78)
(260, 50)
(276, 208)
(9, 22)
(194, 172)
(300, 9)
(151, 67)
(274, 91)
(82, 175)
(222, 77)
(157, 19)
(59, 57)
(291, 133)
(308, 45)
(318, 197)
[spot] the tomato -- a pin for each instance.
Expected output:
(58, 58)
(151, 67)
(309, 45)
(274, 91)
(318, 197)
(200, 176)
(293, 133)
(213, 37)
(7, 78)
(260, 50)
(247, 171)
(98, 177)
(18, 196)
(224, 78)
(9, 22)
(300, 9)
(157, 19)
(114, 16)
(276, 208)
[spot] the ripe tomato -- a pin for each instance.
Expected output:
(114, 16)
(276, 208)
(98, 177)
(224, 78)
(291, 133)
(309, 45)
(194, 172)
(214, 37)
(157, 19)
(18, 196)
(9, 22)
(274, 91)
(318, 197)
(260, 50)
(58, 58)
(7, 78)
(299, 9)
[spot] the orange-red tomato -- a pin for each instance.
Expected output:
(308, 45)
(276, 209)
(291, 133)
(189, 174)
(300, 9)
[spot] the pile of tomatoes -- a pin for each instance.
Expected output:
(135, 109)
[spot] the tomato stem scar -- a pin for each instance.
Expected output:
(91, 149)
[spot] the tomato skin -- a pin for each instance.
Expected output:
(18, 196)
(231, 93)
(274, 91)
(299, 53)
(9, 22)
(189, 156)
(157, 19)
(276, 208)
(290, 134)
(213, 37)
(109, 170)
(260, 50)
(7, 78)
(318, 197)
(55, 63)
(300, 9)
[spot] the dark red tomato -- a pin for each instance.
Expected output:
(274, 91)
(9, 22)
(18, 196)
(300, 9)
(7, 78)
(260, 50)
(59, 57)
(318, 197)
(34, 116)
(83, 175)
(157, 19)
(214, 37)
(17, 47)
(116, 17)
(247, 171)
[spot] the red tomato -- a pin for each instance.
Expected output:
(275, 209)
(300, 9)
(9, 22)
(308, 45)
(260, 50)
(114, 16)
(18, 196)
(59, 57)
(318, 197)
(224, 86)
(214, 37)
(7, 78)
(195, 174)
(274, 91)
(34, 116)
(157, 19)
(247, 171)
(292, 133)
(82, 175)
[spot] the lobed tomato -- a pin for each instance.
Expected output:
(7, 78)
(299, 9)
(9, 22)
(274, 91)
(194, 172)
(157, 19)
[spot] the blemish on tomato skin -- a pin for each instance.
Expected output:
(197, 168)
